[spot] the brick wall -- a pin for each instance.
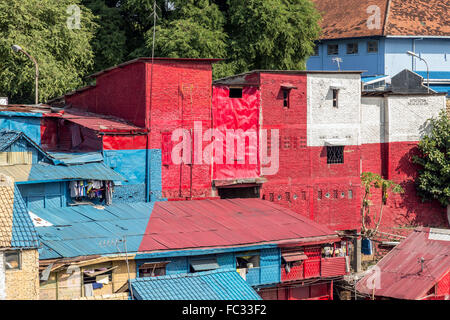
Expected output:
(23, 284)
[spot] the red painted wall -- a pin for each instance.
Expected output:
(181, 95)
(233, 114)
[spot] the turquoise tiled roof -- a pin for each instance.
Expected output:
(223, 284)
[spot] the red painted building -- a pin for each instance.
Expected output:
(327, 137)
(157, 98)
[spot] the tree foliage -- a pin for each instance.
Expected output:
(272, 34)
(40, 27)
(370, 181)
(109, 42)
(433, 181)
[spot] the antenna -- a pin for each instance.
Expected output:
(338, 61)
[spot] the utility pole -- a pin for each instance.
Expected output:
(17, 48)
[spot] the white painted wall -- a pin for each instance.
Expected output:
(325, 122)
(406, 116)
(2, 277)
(372, 123)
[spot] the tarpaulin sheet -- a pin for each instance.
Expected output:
(131, 142)
(239, 118)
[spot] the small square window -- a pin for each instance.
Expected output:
(316, 50)
(372, 46)
(286, 94)
(235, 93)
(352, 48)
(12, 260)
(333, 49)
(335, 98)
(335, 155)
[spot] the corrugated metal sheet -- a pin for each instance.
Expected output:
(77, 158)
(44, 172)
(211, 285)
(400, 272)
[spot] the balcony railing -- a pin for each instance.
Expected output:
(315, 268)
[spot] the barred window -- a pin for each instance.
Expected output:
(335, 155)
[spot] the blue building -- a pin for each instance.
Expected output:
(375, 35)
(182, 250)
(45, 179)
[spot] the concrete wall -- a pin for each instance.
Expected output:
(23, 284)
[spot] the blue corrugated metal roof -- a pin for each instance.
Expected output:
(211, 285)
(87, 230)
(441, 88)
(43, 172)
(24, 234)
(372, 78)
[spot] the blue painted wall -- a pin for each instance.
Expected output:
(390, 59)
(30, 125)
(267, 273)
(132, 165)
(44, 195)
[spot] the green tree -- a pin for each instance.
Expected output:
(194, 29)
(109, 43)
(433, 180)
(370, 181)
(272, 34)
(41, 27)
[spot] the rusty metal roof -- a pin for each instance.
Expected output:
(399, 274)
(365, 18)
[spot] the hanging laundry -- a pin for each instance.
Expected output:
(88, 290)
(73, 186)
(96, 285)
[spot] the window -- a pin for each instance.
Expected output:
(335, 98)
(286, 94)
(201, 265)
(335, 155)
(350, 194)
(12, 260)
(99, 276)
(372, 46)
(352, 48)
(247, 262)
(333, 49)
(319, 195)
(235, 93)
(271, 197)
(316, 50)
(288, 196)
(152, 269)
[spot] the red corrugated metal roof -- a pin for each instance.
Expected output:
(221, 223)
(400, 274)
(96, 122)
